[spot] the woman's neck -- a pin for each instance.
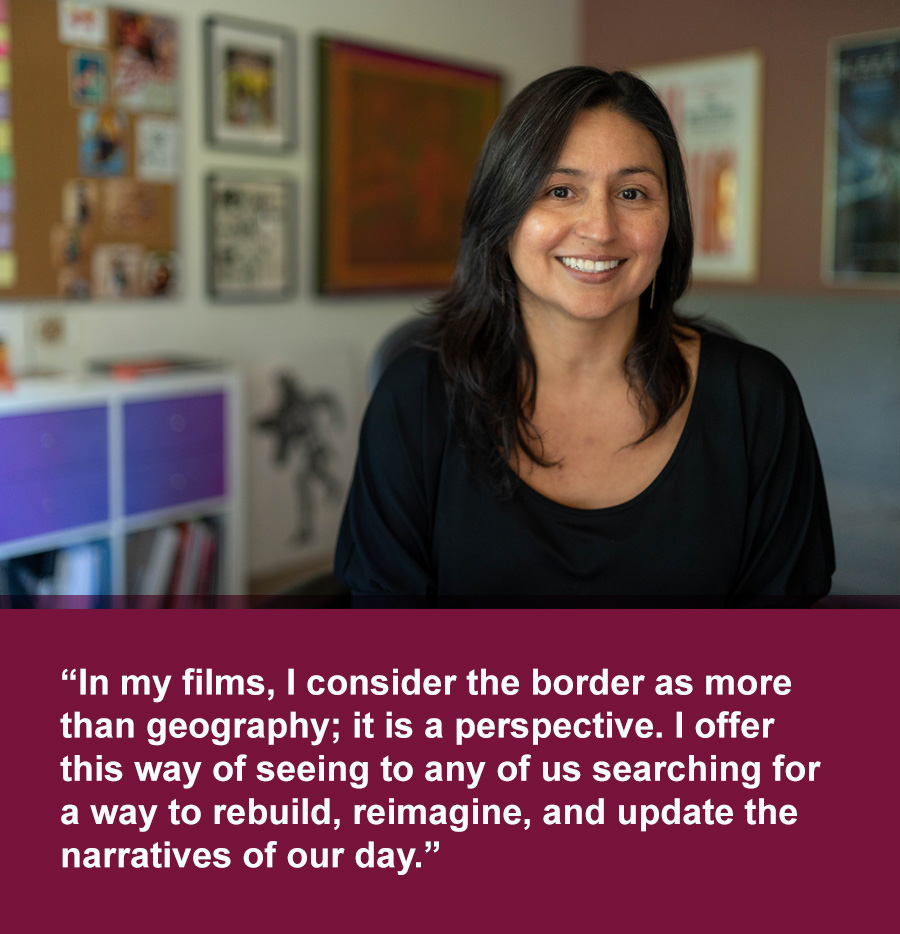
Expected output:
(577, 352)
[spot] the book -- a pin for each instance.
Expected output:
(156, 578)
(132, 368)
(196, 546)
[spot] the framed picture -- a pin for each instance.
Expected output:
(716, 106)
(399, 139)
(250, 86)
(861, 203)
(251, 237)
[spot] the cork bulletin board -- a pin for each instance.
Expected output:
(89, 143)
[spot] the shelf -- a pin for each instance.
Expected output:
(101, 464)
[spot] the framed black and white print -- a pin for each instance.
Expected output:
(250, 86)
(251, 237)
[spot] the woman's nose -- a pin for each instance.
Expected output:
(597, 221)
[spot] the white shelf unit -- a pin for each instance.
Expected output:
(101, 460)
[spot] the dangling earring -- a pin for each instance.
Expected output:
(653, 290)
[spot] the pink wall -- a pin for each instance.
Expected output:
(793, 37)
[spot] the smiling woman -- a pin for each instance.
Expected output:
(566, 435)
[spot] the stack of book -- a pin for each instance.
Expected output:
(180, 567)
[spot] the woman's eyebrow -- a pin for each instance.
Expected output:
(638, 170)
(619, 173)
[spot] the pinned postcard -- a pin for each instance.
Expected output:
(159, 274)
(156, 149)
(80, 201)
(116, 271)
(145, 51)
(81, 23)
(101, 142)
(87, 78)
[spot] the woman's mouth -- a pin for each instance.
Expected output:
(589, 265)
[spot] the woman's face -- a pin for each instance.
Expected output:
(592, 240)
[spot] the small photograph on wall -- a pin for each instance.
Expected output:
(301, 447)
(145, 52)
(102, 141)
(116, 271)
(160, 274)
(80, 201)
(861, 241)
(88, 79)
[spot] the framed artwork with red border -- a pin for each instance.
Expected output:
(399, 136)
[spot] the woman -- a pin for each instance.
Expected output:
(567, 437)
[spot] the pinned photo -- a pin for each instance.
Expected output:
(81, 23)
(116, 271)
(159, 275)
(88, 78)
(101, 142)
(80, 201)
(144, 70)
(156, 149)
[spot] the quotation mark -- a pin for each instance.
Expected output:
(429, 845)
(70, 674)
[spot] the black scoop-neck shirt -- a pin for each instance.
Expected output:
(737, 517)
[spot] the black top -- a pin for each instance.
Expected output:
(737, 517)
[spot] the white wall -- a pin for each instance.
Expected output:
(521, 38)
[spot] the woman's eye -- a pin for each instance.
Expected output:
(632, 194)
(560, 192)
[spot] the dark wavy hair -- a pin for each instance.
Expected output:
(484, 353)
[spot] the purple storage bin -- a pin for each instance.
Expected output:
(54, 471)
(174, 452)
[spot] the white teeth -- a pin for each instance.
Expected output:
(589, 265)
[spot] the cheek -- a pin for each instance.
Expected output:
(655, 233)
(534, 234)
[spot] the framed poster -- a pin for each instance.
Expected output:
(716, 107)
(250, 94)
(861, 203)
(251, 237)
(399, 139)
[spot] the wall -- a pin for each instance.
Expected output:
(841, 344)
(517, 37)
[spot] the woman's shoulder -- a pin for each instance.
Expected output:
(748, 369)
(412, 378)
(410, 393)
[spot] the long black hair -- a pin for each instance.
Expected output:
(484, 353)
